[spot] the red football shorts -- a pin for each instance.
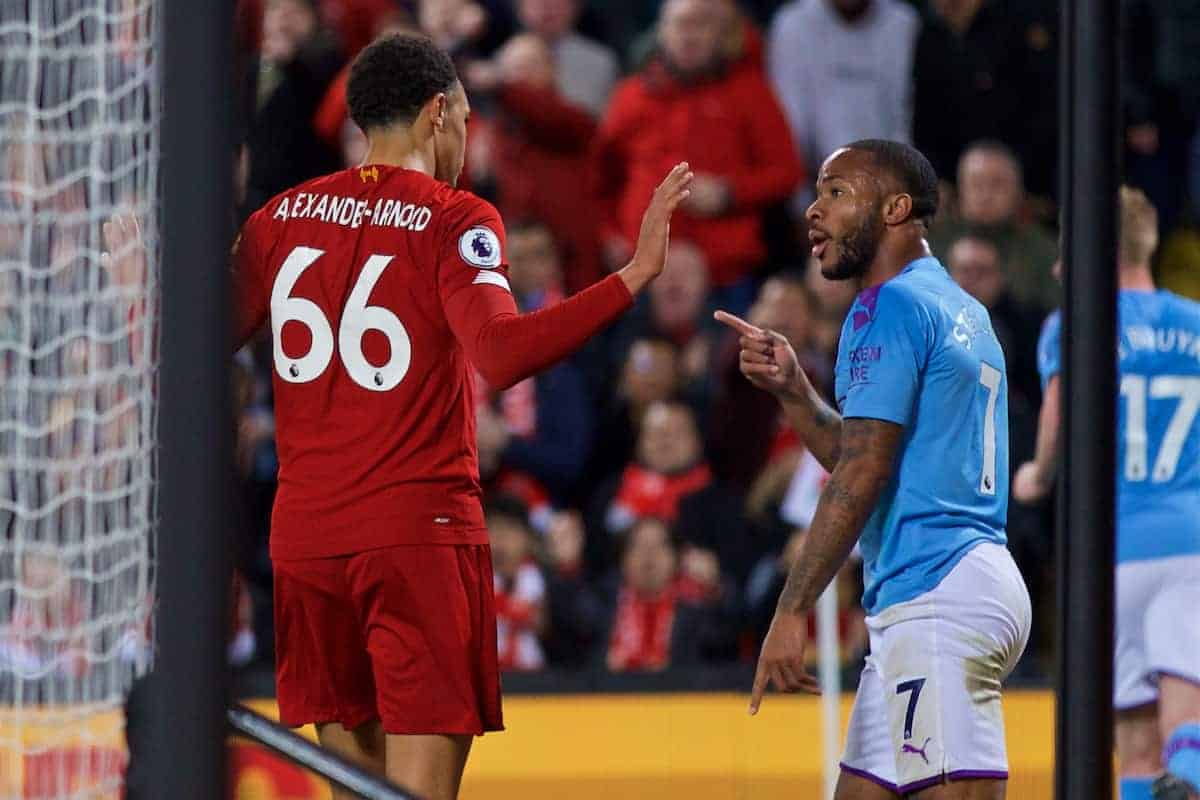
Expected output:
(404, 634)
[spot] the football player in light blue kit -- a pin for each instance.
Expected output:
(919, 463)
(1157, 663)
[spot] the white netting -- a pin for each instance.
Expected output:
(78, 147)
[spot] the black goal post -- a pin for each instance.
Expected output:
(1089, 165)
(183, 739)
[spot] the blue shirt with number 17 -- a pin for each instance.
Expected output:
(920, 352)
(1158, 422)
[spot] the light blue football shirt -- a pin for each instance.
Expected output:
(920, 352)
(1158, 427)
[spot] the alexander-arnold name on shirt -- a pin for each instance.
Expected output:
(352, 213)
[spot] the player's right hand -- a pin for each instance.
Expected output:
(650, 255)
(767, 359)
(1027, 486)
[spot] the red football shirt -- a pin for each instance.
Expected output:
(381, 285)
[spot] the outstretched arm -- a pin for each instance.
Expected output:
(864, 467)
(508, 347)
(1035, 479)
(768, 361)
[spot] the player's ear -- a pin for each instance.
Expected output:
(897, 209)
(439, 107)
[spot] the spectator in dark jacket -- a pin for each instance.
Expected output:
(1009, 53)
(297, 62)
(974, 263)
(650, 374)
(576, 614)
(991, 201)
(941, 86)
(542, 426)
(676, 307)
(1162, 103)
(747, 427)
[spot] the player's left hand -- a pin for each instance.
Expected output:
(650, 255)
(781, 661)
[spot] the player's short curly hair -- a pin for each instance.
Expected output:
(910, 168)
(394, 77)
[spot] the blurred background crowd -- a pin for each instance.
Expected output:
(643, 499)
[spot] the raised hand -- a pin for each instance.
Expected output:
(767, 359)
(781, 660)
(650, 255)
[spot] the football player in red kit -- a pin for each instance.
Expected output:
(383, 284)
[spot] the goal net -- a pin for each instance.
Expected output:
(78, 303)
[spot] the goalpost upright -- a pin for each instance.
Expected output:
(189, 685)
(1089, 165)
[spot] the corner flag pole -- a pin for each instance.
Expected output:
(829, 674)
(1089, 173)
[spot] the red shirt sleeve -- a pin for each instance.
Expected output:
(505, 346)
(251, 299)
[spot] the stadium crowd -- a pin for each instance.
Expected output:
(643, 498)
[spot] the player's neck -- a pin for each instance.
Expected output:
(1136, 278)
(399, 148)
(891, 259)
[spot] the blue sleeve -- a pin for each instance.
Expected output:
(884, 351)
(1049, 351)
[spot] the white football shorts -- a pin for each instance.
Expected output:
(928, 703)
(1158, 629)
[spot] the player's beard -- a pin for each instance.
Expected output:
(857, 249)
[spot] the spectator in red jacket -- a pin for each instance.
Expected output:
(539, 149)
(670, 480)
(668, 608)
(520, 587)
(356, 23)
(689, 103)
(670, 466)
